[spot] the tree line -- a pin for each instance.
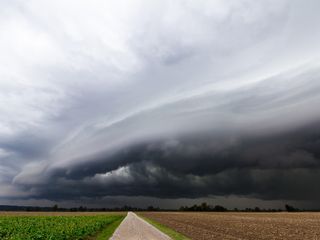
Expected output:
(203, 207)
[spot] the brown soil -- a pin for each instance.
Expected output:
(253, 226)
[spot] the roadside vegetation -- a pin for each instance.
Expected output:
(170, 232)
(108, 231)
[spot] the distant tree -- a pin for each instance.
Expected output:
(257, 209)
(55, 208)
(219, 208)
(204, 207)
(183, 208)
(291, 208)
(82, 209)
(194, 208)
(151, 208)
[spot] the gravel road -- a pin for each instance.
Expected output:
(135, 228)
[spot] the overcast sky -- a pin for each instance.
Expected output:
(132, 102)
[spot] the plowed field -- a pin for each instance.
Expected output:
(201, 226)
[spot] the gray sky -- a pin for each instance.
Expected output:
(116, 102)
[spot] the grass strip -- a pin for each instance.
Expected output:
(108, 231)
(170, 232)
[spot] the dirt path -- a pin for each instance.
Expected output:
(135, 228)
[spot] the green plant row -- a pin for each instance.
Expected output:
(53, 227)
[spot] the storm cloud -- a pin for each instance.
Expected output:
(160, 99)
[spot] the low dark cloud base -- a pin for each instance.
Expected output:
(278, 166)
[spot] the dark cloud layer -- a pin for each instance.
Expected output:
(279, 166)
(162, 100)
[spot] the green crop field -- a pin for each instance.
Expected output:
(58, 227)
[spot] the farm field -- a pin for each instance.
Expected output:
(58, 226)
(12, 213)
(203, 226)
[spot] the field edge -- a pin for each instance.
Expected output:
(169, 231)
(108, 230)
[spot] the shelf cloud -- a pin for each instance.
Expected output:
(161, 99)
